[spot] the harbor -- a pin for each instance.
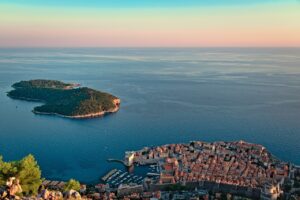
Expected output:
(134, 172)
(116, 177)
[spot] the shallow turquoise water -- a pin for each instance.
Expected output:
(168, 96)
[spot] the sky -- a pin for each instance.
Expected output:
(149, 23)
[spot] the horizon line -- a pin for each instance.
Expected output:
(150, 47)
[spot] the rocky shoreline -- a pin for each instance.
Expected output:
(86, 116)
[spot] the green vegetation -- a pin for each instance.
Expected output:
(26, 170)
(176, 187)
(39, 83)
(72, 184)
(61, 98)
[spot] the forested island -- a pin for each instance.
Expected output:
(65, 99)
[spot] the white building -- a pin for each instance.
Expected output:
(270, 191)
(129, 157)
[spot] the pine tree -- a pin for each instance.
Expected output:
(26, 170)
(29, 174)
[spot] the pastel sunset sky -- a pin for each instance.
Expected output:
(149, 23)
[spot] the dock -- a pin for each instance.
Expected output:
(117, 177)
(109, 174)
(152, 174)
(118, 160)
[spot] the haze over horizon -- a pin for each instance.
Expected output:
(133, 23)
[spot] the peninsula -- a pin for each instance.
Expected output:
(207, 170)
(65, 99)
(195, 170)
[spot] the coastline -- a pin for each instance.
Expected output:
(25, 99)
(86, 116)
(115, 101)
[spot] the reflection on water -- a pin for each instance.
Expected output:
(168, 95)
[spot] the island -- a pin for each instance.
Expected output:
(65, 99)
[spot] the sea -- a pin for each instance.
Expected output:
(168, 95)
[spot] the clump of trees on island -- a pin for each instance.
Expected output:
(61, 98)
(40, 83)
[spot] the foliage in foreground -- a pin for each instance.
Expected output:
(72, 184)
(26, 170)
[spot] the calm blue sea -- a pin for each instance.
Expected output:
(168, 96)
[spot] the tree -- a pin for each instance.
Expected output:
(29, 174)
(7, 170)
(72, 184)
(26, 170)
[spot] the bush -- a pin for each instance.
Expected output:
(72, 184)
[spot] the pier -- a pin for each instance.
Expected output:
(116, 177)
(152, 174)
(110, 173)
(119, 161)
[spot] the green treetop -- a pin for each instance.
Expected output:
(26, 170)
(72, 184)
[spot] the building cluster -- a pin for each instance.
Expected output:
(197, 170)
(234, 163)
(126, 192)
